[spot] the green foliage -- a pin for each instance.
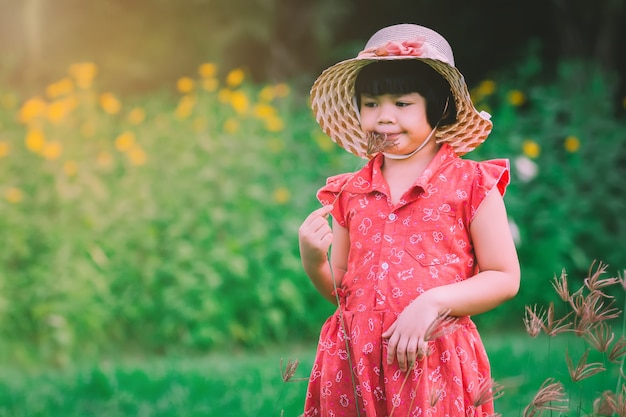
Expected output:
(567, 152)
(169, 224)
(159, 226)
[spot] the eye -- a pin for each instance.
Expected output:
(402, 103)
(368, 103)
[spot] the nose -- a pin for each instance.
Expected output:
(385, 113)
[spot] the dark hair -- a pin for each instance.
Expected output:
(406, 76)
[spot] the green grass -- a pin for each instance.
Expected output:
(222, 384)
(250, 383)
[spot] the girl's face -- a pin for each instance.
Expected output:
(401, 118)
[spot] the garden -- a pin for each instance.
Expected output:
(150, 265)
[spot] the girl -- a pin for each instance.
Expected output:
(417, 234)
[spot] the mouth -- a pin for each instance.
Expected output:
(381, 142)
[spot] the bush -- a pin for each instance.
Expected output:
(567, 152)
(169, 223)
(156, 226)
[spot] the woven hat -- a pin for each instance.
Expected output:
(334, 105)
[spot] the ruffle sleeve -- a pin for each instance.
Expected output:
(331, 193)
(489, 175)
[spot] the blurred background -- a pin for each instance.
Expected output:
(144, 44)
(158, 156)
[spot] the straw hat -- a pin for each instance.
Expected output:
(334, 105)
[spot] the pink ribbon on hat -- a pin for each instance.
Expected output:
(417, 47)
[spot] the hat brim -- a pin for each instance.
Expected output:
(332, 100)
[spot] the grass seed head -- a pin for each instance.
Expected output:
(290, 369)
(377, 142)
(582, 370)
(534, 320)
(560, 286)
(618, 350)
(488, 391)
(551, 396)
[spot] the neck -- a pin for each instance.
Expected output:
(401, 174)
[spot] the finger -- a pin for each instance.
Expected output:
(411, 352)
(314, 228)
(323, 211)
(320, 224)
(387, 333)
(316, 219)
(422, 350)
(391, 349)
(401, 353)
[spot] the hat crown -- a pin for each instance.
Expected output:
(333, 101)
(406, 31)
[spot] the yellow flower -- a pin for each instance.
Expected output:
(263, 111)
(486, 88)
(267, 93)
(109, 103)
(624, 102)
(13, 195)
(35, 140)
(572, 144)
(239, 101)
(60, 88)
(274, 124)
(70, 168)
(136, 116)
(185, 107)
(516, 98)
(125, 141)
(137, 156)
(231, 126)
(184, 85)
(281, 195)
(52, 150)
(57, 110)
(235, 78)
(531, 148)
(84, 73)
(4, 148)
(31, 109)
(210, 84)
(207, 70)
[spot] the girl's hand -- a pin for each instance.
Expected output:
(407, 334)
(315, 236)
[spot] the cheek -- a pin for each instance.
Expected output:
(367, 119)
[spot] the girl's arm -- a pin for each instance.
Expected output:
(497, 281)
(315, 237)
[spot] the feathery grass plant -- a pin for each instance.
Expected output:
(588, 313)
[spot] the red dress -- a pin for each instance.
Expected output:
(397, 252)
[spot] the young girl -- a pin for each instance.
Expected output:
(417, 234)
